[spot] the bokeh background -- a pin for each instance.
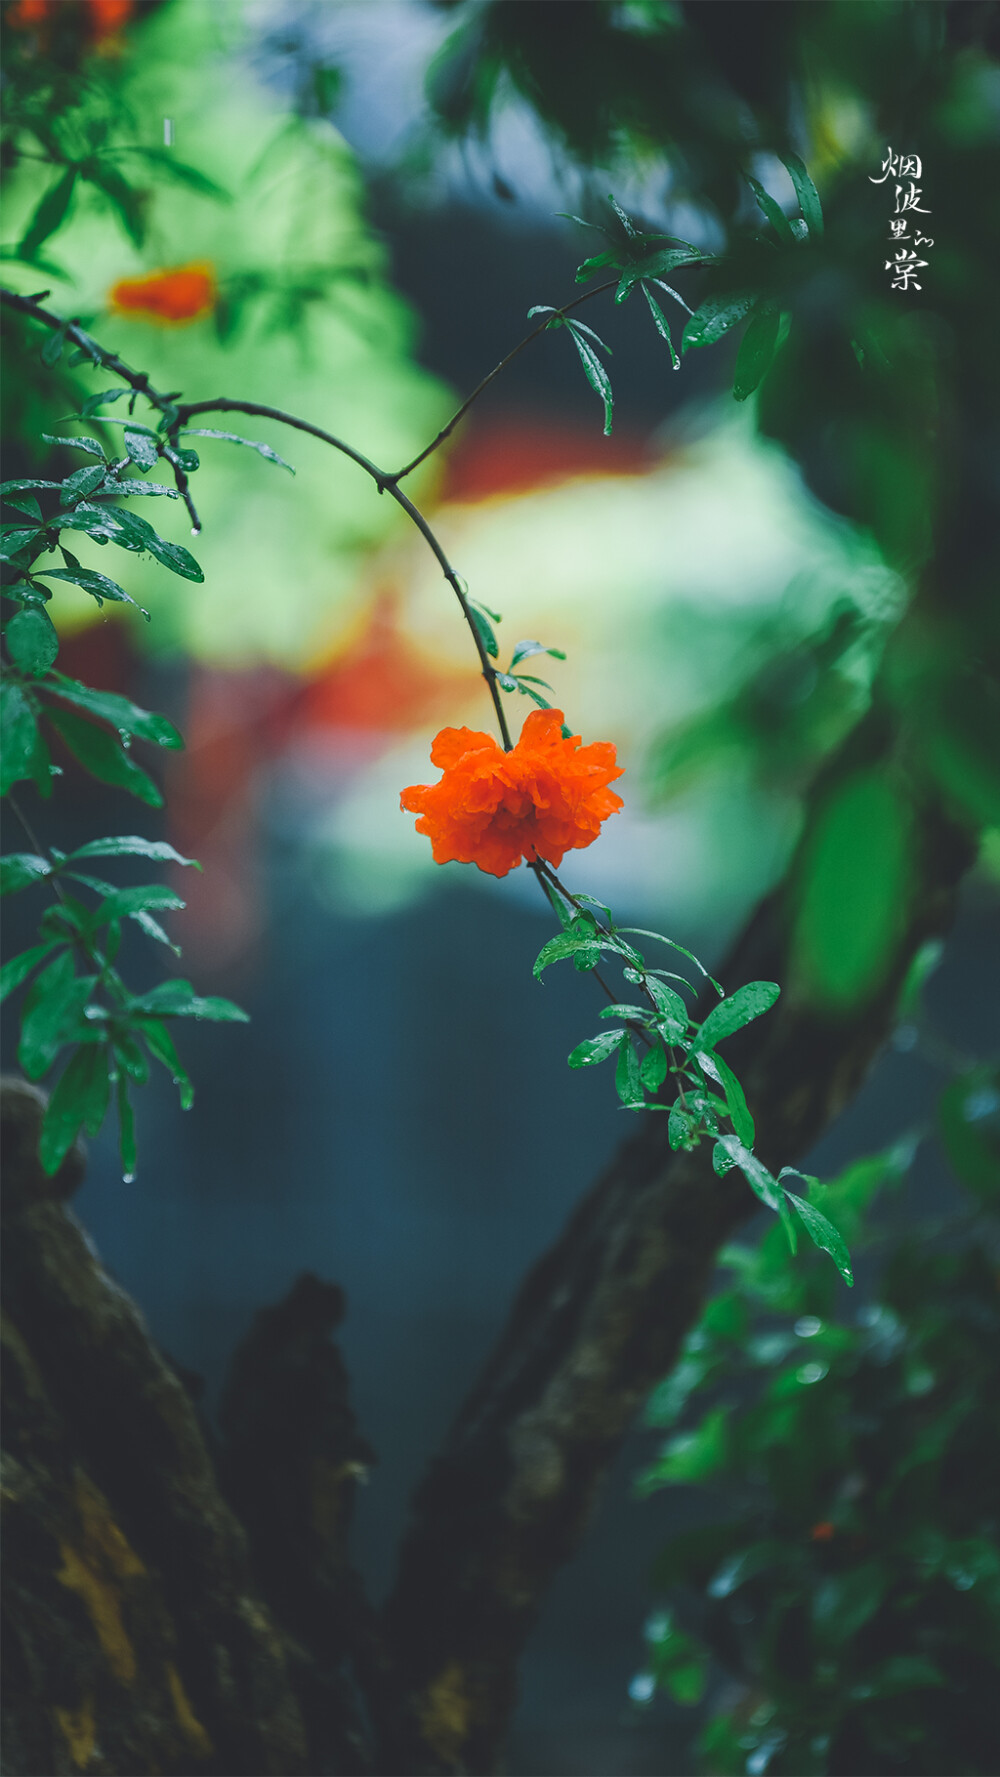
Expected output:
(398, 1115)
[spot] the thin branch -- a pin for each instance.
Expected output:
(136, 379)
(460, 413)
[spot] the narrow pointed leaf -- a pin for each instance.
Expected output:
(825, 1235)
(19, 869)
(661, 324)
(84, 1078)
(715, 316)
(746, 1003)
(102, 756)
(121, 712)
(160, 1044)
(263, 450)
(773, 211)
(596, 375)
(597, 1049)
(131, 845)
(805, 191)
(20, 967)
(48, 215)
(753, 360)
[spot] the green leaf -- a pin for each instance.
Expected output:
(19, 967)
(715, 316)
(153, 929)
(680, 1127)
(19, 737)
(129, 486)
(99, 1096)
(126, 1129)
(140, 447)
(773, 211)
(263, 450)
(681, 1667)
(494, 615)
(746, 1003)
(641, 932)
(177, 999)
(181, 171)
(653, 1068)
(54, 1003)
(132, 1059)
(160, 1044)
(19, 869)
(536, 696)
(131, 845)
(753, 360)
(661, 324)
(523, 651)
(31, 640)
(597, 1049)
(103, 399)
(124, 715)
(48, 215)
(90, 445)
(634, 1014)
(13, 487)
(845, 1602)
(125, 901)
(25, 503)
(79, 1095)
(628, 1083)
(692, 1456)
(754, 1171)
(485, 631)
(52, 349)
(102, 755)
(856, 876)
(562, 945)
(16, 540)
(823, 1233)
(805, 191)
(81, 483)
(98, 585)
(562, 911)
(594, 372)
(669, 1005)
(134, 533)
(128, 202)
(970, 1129)
(719, 1070)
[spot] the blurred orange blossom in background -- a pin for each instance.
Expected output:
(178, 293)
(104, 18)
(547, 796)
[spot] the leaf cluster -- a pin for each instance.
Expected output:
(658, 1040)
(76, 998)
(848, 1574)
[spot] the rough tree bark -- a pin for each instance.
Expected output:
(175, 1606)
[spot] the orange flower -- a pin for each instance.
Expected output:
(545, 797)
(823, 1531)
(180, 293)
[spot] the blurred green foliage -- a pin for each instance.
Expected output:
(271, 198)
(847, 1574)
